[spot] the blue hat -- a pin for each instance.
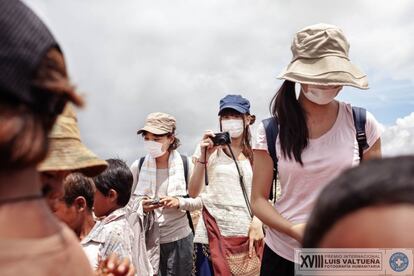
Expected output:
(235, 102)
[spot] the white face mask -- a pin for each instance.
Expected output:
(154, 148)
(233, 126)
(321, 96)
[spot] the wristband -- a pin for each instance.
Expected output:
(201, 162)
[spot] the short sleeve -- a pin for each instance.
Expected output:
(259, 139)
(134, 171)
(373, 130)
(190, 167)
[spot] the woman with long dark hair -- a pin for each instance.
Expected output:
(316, 140)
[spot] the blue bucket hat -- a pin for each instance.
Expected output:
(235, 102)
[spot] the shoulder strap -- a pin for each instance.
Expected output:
(185, 164)
(271, 126)
(141, 161)
(360, 118)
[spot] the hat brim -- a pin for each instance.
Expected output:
(328, 70)
(235, 107)
(153, 130)
(72, 155)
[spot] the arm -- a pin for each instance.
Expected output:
(196, 183)
(373, 133)
(262, 208)
(255, 234)
(190, 204)
(374, 151)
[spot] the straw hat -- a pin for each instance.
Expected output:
(66, 151)
(159, 123)
(320, 56)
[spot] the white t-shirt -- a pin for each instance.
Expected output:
(324, 159)
(223, 197)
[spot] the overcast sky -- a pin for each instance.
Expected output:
(133, 57)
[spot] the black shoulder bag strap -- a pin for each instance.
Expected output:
(360, 118)
(243, 187)
(185, 164)
(271, 127)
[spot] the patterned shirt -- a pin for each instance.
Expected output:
(111, 235)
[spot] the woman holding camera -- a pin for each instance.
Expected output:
(223, 196)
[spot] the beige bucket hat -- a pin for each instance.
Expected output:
(66, 151)
(320, 57)
(159, 123)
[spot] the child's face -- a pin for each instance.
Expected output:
(52, 182)
(67, 214)
(102, 204)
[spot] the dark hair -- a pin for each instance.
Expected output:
(75, 185)
(293, 130)
(117, 177)
(175, 144)
(24, 128)
(246, 143)
(373, 183)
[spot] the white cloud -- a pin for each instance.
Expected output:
(398, 139)
(133, 57)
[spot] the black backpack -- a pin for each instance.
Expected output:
(185, 163)
(271, 126)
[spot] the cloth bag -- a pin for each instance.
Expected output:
(230, 255)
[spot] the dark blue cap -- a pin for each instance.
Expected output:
(235, 102)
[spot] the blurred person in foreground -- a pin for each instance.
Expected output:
(34, 88)
(369, 206)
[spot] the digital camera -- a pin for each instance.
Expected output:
(221, 139)
(155, 201)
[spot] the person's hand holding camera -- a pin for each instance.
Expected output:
(149, 204)
(207, 144)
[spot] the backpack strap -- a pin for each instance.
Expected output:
(360, 118)
(141, 161)
(185, 164)
(271, 126)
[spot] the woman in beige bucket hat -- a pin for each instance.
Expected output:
(316, 139)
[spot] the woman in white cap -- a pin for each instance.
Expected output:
(226, 195)
(160, 186)
(316, 140)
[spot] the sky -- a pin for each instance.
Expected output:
(133, 57)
